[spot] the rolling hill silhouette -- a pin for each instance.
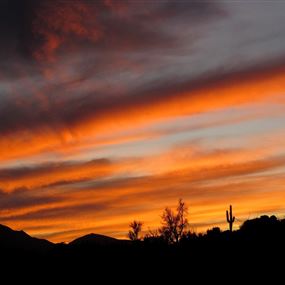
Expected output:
(97, 240)
(263, 229)
(19, 240)
(259, 243)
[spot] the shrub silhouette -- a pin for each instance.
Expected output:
(261, 227)
(174, 224)
(134, 232)
(214, 232)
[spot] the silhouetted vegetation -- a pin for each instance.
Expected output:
(258, 242)
(134, 232)
(174, 224)
(230, 218)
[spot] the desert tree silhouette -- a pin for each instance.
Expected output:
(134, 232)
(174, 223)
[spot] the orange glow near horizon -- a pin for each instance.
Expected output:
(189, 170)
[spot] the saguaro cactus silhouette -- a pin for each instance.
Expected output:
(230, 218)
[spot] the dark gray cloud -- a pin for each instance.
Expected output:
(127, 31)
(23, 198)
(11, 26)
(58, 114)
(27, 24)
(20, 172)
(58, 212)
(53, 174)
(143, 55)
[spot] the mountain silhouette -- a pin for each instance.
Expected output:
(19, 240)
(97, 240)
(258, 242)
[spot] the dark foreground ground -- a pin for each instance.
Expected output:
(254, 254)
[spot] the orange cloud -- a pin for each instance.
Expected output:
(253, 88)
(46, 174)
(207, 188)
(205, 211)
(229, 92)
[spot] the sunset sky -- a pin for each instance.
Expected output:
(111, 110)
